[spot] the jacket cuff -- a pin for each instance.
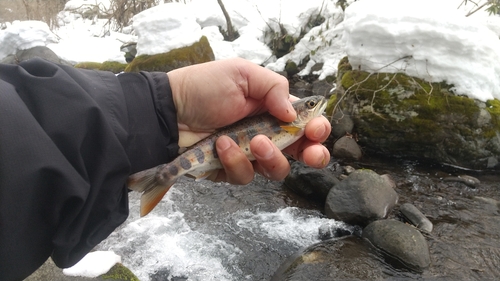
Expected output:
(165, 110)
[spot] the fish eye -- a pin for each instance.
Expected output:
(311, 104)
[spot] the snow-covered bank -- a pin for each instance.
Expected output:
(432, 44)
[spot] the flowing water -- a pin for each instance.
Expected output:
(216, 231)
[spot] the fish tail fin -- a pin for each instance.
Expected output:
(152, 189)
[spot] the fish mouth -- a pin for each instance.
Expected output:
(320, 109)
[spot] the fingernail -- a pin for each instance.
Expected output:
(318, 133)
(223, 144)
(326, 158)
(264, 149)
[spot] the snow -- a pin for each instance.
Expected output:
(432, 40)
(433, 44)
(93, 264)
(165, 27)
(22, 35)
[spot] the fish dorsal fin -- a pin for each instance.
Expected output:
(290, 129)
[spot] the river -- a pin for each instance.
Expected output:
(217, 231)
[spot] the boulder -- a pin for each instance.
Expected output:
(403, 116)
(362, 197)
(347, 148)
(113, 66)
(34, 52)
(199, 52)
(400, 244)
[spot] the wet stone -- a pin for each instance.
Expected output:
(401, 245)
(364, 196)
(310, 182)
(328, 231)
(413, 215)
(465, 179)
(346, 258)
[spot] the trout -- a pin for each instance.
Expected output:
(200, 159)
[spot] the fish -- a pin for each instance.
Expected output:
(201, 159)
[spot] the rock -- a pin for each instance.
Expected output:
(164, 274)
(415, 217)
(389, 180)
(349, 170)
(401, 244)
(342, 124)
(35, 52)
(347, 148)
(199, 52)
(49, 271)
(113, 66)
(361, 198)
(465, 179)
(328, 231)
(119, 273)
(317, 67)
(403, 116)
(130, 50)
(310, 182)
(301, 89)
(347, 258)
(291, 68)
(321, 88)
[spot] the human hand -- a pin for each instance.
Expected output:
(213, 95)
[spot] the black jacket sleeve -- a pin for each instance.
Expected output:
(69, 138)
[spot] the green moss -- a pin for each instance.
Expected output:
(403, 115)
(493, 107)
(112, 66)
(89, 65)
(120, 273)
(331, 105)
(343, 66)
(199, 52)
(291, 68)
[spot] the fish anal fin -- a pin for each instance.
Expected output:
(290, 129)
(152, 197)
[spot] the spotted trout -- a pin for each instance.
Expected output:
(201, 159)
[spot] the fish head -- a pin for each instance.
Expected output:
(307, 109)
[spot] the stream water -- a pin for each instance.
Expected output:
(216, 231)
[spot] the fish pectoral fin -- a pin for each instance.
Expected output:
(152, 197)
(290, 129)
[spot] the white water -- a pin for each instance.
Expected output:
(168, 240)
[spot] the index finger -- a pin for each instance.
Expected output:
(269, 86)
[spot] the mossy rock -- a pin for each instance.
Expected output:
(119, 273)
(199, 52)
(113, 66)
(403, 116)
